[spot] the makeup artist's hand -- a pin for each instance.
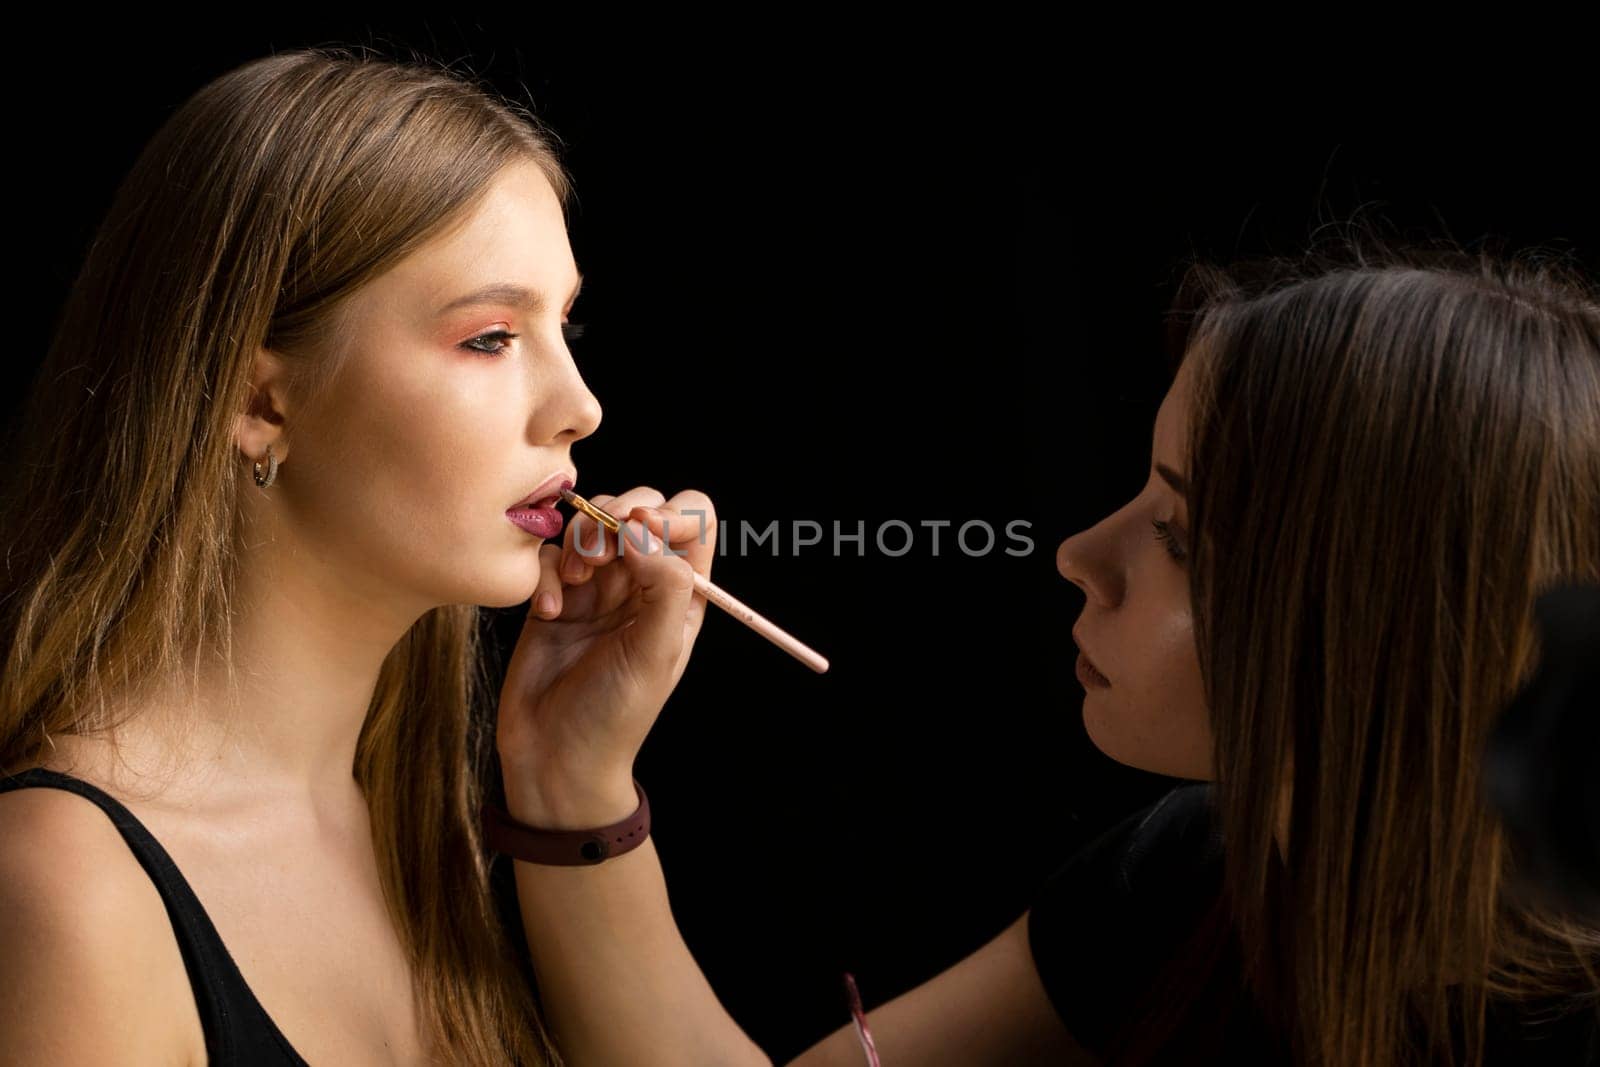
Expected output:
(588, 677)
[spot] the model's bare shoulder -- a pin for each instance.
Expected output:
(92, 971)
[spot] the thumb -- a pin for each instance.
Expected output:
(655, 639)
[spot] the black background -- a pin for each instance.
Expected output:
(873, 281)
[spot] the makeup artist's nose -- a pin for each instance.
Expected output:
(1087, 560)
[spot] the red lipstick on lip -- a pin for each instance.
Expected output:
(537, 513)
(548, 492)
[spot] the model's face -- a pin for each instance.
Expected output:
(405, 471)
(1136, 626)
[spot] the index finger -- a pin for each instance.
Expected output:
(688, 524)
(587, 544)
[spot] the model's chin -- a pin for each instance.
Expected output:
(514, 594)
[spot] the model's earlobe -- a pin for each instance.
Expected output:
(259, 428)
(262, 443)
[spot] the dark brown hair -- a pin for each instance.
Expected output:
(257, 208)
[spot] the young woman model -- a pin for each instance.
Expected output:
(258, 496)
(270, 685)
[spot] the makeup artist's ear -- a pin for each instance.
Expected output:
(261, 422)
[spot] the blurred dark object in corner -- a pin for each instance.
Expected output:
(1542, 763)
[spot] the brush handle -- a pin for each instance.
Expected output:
(715, 595)
(760, 624)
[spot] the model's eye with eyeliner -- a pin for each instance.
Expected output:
(478, 345)
(570, 331)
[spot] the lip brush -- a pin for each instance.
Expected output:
(713, 594)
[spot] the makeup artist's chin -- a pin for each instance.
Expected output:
(1101, 730)
(1151, 747)
(1108, 727)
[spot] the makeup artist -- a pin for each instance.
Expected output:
(1364, 472)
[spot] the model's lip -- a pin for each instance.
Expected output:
(1087, 657)
(549, 490)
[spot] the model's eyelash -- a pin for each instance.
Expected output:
(570, 331)
(1164, 535)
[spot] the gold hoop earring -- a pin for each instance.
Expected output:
(272, 469)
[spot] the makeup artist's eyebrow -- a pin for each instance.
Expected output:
(1173, 478)
(521, 296)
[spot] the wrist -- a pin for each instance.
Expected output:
(551, 802)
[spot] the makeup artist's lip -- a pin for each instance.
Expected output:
(1088, 676)
(549, 490)
(1084, 660)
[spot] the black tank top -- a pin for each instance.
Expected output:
(239, 1032)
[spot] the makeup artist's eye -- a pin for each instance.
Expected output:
(570, 331)
(1164, 535)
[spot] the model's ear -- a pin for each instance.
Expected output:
(261, 422)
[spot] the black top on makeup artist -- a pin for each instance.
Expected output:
(1145, 894)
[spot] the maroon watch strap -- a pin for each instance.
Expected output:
(565, 848)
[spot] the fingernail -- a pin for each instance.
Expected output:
(572, 567)
(547, 603)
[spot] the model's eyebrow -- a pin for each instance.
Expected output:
(508, 293)
(1173, 478)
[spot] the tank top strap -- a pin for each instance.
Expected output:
(238, 1029)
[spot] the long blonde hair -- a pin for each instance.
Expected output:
(260, 204)
(1394, 451)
